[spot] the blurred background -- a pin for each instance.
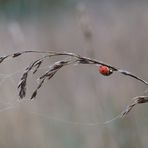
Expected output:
(65, 111)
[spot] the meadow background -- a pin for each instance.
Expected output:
(112, 31)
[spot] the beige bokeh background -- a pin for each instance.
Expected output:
(110, 32)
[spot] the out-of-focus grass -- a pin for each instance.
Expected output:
(79, 93)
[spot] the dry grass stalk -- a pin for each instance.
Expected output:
(136, 100)
(70, 59)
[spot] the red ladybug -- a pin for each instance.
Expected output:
(104, 70)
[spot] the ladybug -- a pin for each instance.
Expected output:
(104, 70)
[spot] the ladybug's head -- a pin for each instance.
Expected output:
(104, 70)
